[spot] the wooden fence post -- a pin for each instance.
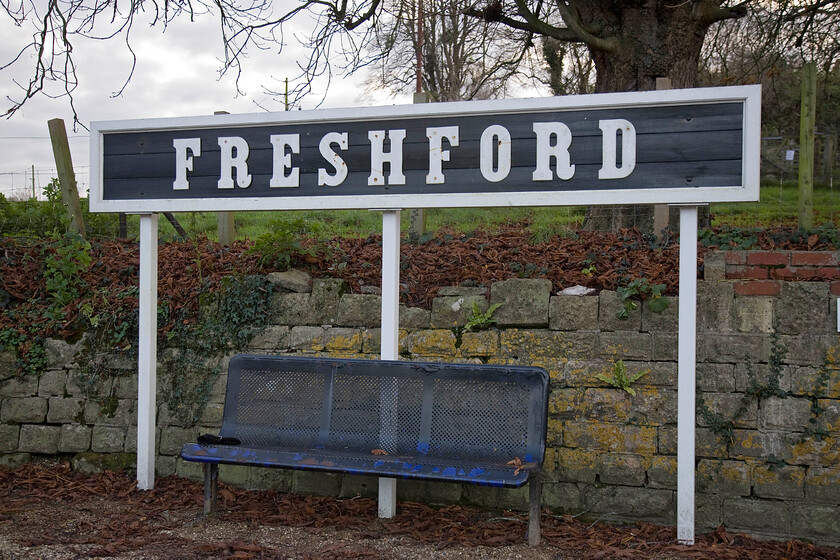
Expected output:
(66, 176)
(807, 118)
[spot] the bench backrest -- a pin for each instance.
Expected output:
(467, 411)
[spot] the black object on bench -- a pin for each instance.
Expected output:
(478, 424)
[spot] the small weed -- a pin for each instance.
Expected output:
(620, 379)
(478, 321)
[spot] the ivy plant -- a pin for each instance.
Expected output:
(641, 287)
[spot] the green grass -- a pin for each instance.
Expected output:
(777, 207)
(544, 222)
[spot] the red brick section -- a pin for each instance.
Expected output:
(813, 258)
(758, 288)
(834, 288)
(769, 258)
(752, 272)
(807, 274)
(735, 257)
(828, 273)
(785, 273)
(766, 268)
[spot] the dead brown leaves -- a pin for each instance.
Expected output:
(482, 258)
(104, 515)
(594, 259)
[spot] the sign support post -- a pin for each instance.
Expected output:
(686, 384)
(147, 352)
(390, 337)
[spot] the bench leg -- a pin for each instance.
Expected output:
(211, 487)
(535, 500)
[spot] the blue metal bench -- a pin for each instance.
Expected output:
(467, 423)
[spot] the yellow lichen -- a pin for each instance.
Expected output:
(484, 343)
(438, 342)
(617, 438)
(343, 343)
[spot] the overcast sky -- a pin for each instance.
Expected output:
(176, 75)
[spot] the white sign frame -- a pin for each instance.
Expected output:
(748, 191)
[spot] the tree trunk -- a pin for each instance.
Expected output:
(653, 39)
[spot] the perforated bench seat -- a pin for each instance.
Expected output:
(467, 423)
(473, 472)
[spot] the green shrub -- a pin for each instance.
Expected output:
(64, 265)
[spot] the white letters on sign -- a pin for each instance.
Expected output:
(437, 155)
(239, 162)
(552, 157)
(183, 162)
(559, 151)
(324, 178)
(495, 140)
(283, 160)
(378, 157)
(609, 129)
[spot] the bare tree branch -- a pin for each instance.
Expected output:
(576, 26)
(712, 12)
(534, 25)
(342, 31)
(816, 7)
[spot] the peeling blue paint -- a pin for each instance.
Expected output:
(449, 471)
(476, 472)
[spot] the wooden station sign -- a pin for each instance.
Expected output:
(665, 147)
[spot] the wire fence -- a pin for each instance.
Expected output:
(27, 183)
(780, 159)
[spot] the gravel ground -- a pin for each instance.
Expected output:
(47, 530)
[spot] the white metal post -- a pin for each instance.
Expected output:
(390, 331)
(686, 386)
(147, 352)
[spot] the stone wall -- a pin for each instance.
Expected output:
(768, 382)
